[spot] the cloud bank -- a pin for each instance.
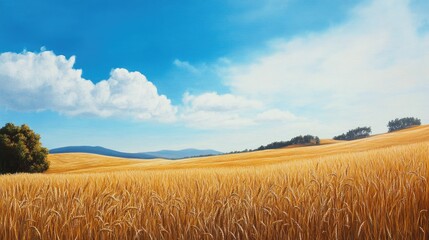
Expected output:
(372, 67)
(45, 81)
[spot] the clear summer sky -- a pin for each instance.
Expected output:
(142, 75)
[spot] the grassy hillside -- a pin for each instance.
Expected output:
(372, 188)
(86, 163)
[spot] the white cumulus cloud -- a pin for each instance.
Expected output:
(212, 110)
(45, 81)
(213, 101)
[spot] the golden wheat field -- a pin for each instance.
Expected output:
(375, 188)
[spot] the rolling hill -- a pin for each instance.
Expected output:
(373, 188)
(84, 163)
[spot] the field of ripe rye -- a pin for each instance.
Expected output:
(374, 194)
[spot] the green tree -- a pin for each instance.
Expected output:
(306, 139)
(357, 133)
(21, 150)
(402, 123)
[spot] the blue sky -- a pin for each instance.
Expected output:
(228, 75)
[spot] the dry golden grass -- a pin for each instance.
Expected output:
(365, 189)
(90, 163)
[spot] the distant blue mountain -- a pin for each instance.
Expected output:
(168, 154)
(185, 153)
(101, 151)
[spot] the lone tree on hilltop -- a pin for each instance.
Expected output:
(357, 133)
(402, 123)
(21, 150)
